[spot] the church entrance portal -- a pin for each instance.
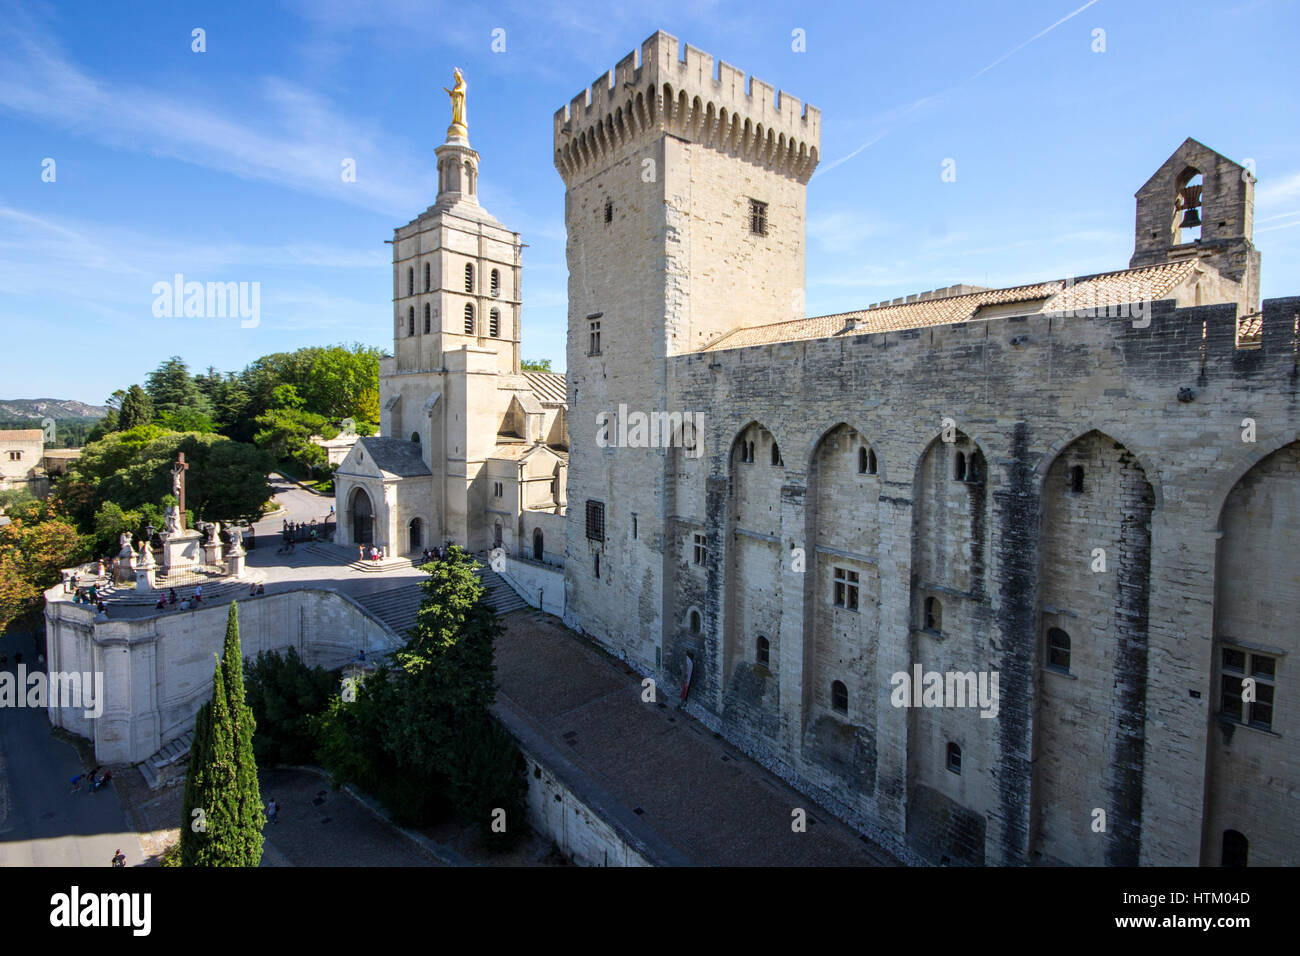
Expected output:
(363, 518)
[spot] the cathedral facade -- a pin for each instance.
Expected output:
(1002, 576)
(471, 450)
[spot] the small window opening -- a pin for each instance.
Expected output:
(762, 651)
(954, 758)
(839, 697)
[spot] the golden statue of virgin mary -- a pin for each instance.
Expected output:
(457, 94)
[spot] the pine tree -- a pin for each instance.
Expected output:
(222, 781)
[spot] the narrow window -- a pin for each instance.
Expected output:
(595, 520)
(1236, 666)
(839, 697)
(1076, 479)
(1236, 849)
(846, 589)
(862, 460)
(933, 614)
(596, 563)
(634, 528)
(776, 454)
(594, 329)
(762, 651)
(496, 283)
(959, 472)
(410, 320)
(410, 280)
(1058, 650)
(954, 758)
(1187, 207)
(695, 622)
(469, 277)
(494, 323)
(609, 212)
(700, 552)
(871, 461)
(427, 324)
(975, 468)
(758, 217)
(469, 318)
(428, 279)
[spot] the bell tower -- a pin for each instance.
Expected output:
(1201, 205)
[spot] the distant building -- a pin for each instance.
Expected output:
(21, 451)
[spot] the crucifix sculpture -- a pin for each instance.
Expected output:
(179, 467)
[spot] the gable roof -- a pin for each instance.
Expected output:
(394, 456)
(1146, 284)
(549, 387)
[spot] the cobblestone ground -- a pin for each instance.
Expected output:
(700, 794)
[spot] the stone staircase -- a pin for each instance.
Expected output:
(217, 588)
(153, 769)
(397, 607)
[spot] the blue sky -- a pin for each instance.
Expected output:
(225, 165)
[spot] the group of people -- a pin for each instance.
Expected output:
(434, 554)
(91, 597)
(292, 531)
(170, 600)
(93, 780)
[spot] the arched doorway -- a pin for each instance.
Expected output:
(496, 535)
(416, 536)
(537, 544)
(362, 515)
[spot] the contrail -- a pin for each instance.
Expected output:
(938, 96)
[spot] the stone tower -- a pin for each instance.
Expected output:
(1200, 204)
(456, 332)
(685, 216)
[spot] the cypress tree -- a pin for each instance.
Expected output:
(222, 778)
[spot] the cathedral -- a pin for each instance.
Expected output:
(471, 450)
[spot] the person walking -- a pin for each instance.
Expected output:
(119, 858)
(272, 811)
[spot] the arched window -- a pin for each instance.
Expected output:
(1236, 849)
(428, 279)
(410, 320)
(959, 471)
(839, 697)
(871, 461)
(954, 758)
(975, 468)
(414, 533)
(1187, 206)
(776, 454)
(496, 283)
(427, 324)
(695, 622)
(469, 277)
(1076, 479)
(762, 651)
(1058, 650)
(469, 318)
(494, 323)
(410, 280)
(933, 614)
(496, 534)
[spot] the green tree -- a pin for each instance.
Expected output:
(172, 388)
(222, 781)
(284, 694)
(35, 546)
(535, 365)
(137, 408)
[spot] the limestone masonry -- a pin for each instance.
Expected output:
(1086, 488)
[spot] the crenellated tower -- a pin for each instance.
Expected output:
(685, 217)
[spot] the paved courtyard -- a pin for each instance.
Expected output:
(689, 791)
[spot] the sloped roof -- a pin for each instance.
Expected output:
(23, 434)
(549, 387)
(1129, 285)
(395, 456)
